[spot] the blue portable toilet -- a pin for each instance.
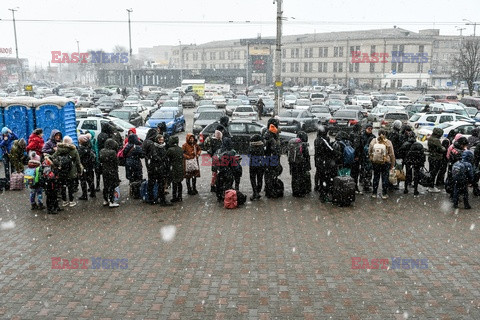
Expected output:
(2, 124)
(18, 115)
(56, 113)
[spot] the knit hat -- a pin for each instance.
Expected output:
(68, 140)
(38, 131)
(4, 130)
(82, 139)
(34, 156)
(458, 136)
(218, 135)
(369, 125)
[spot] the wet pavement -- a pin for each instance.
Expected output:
(287, 258)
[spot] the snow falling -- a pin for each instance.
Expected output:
(168, 233)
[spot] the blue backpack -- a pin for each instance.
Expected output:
(459, 171)
(348, 153)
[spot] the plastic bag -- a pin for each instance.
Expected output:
(116, 194)
(392, 176)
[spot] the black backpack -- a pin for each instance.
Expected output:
(64, 165)
(415, 155)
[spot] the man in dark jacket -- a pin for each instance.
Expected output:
(175, 160)
(394, 137)
(257, 165)
(366, 165)
(158, 170)
(111, 180)
(51, 145)
(326, 168)
(414, 160)
(133, 153)
(300, 166)
(108, 132)
(356, 142)
(162, 129)
(462, 176)
(260, 106)
(273, 150)
(88, 161)
(435, 158)
(223, 126)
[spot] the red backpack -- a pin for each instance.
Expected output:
(230, 201)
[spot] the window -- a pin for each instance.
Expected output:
(292, 67)
(89, 125)
(421, 48)
(431, 119)
(373, 49)
(306, 53)
(305, 67)
(340, 67)
(320, 52)
(334, 67)
(335, 51)
(325, 52)
(372, 67)
(325, 69)
(310, 66)
(357, 67)
(400, 67)
(297, 67)
(297, 52)
(292, 53)
(236, 127)
(284, 53)
(340, 51)
(221, 55)
(212, 55)
(394, 66)
(350, 67)
(395, 47)
(446, 119)
(252, 128)
(320, 67)
(284, 67)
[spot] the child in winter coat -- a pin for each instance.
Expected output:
(88, 161)
(33, 179)
(462, 175)
(35, 141)
(51, 187)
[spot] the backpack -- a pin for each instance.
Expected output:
(64, 165)
(379, 153)
(87, 157)
(415, 155)
(459, 172)
(295, 155)
(230, 201)
(348, 153)
(29, 176)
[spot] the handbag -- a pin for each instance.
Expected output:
(191, 165)
(424, 177)
(392, 176)
(116, 194)
(400, 175)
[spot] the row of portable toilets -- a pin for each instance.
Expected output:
(24, 114)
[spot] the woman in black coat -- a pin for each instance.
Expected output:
(111, 180)
(133, 154)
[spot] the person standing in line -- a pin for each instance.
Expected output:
(382, 157)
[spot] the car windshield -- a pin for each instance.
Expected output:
(203, 108)
(363, 98)
(205, 102)
(210, 115)
(234, 102)
(163, 115)
(396, 116)
(120, 114)
(146, 103)
(317, 95)
(336, 103)
(415, 117)
(244, 109)
(320, 110)
(290, 97)
(289, 114)
(345, 114)
(170, 104)
(444, 125)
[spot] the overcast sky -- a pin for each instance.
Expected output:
(37, 39)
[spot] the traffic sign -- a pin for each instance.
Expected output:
(278, 83)
(28, 87)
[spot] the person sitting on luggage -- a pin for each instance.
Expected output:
(175, 160)
(462, 176)
(257, 165)
(109, 163)
(133, 154)
(299, 163)
(383, 159)
(225, 162)
(326, 168)
(414, 160)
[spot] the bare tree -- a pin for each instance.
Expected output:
(468, 62)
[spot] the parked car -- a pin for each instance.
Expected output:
(414, 108)
(269, 107)
(377, 113)
(449, 107)
(129, 115)
(322, 113)
(420, 120)
(344, 120)
(297, 120)
(241, 131)
(303, 104)
(425, 99)
(173, 118)
(140, 110)
(363, 101)
(231, 105)
(200, 109)
(205, 118)
(289, 101)
(244, 99)
(317, 97)
(471, 102)
(87, 112)
(245, 112)
(356, 107)
(108, 105)
(205, 102)
(390, 116)
(95, 124)
(150, 105)
(219, 101)
(83, 102)
(465, 128)
(188, 101)
(162, 99)
(334, 105)
(404, 100)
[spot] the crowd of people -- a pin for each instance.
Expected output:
(59, 169)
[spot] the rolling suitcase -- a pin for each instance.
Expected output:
(343, 191)
(16, 181)
(144, 191)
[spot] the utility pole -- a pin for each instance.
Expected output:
(19, 65)
(347, 83)
(278, 57)
(474, 24)
(181, 62)
(130, 43)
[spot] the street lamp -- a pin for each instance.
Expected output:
(470, 23)
(130, 44)
(181, 62)
(19, 71)
(278, 57)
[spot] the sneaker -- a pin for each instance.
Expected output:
(374, 196)
(416, 193)
(105, 203)
(433, 190)
(113, 205)
(40, 206)
(385, 196)
(65, 203)
(83, 197)
(34, 206)
(72, 204)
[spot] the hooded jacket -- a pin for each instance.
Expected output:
(175, 159)
(325, 155)
(6, 145)
(465, 171)
(133, 152)
(35, 143)
(130, 131)
(71, 150)
(49, 146)
(272, 140)
(108, 132)
(256, 150)
(435, 148)
(109, 162)
(17, 154)
(147, 147)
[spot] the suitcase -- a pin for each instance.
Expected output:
(135, 189)
(279, 188)
(144, 191)
(343, 193)
(4, 184)
(16, 181)
(308, 182)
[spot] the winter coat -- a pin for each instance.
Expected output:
(147, 147)
(133, 154)
(468, 170)
(35, 143)
(435, 148)
(394, 137)
(175, 158)
(225, 161)
(390, 157)
(87, 157)
(130, 131)
(109, 162)
(69, 149)
(6, 145)
(17, 155)
(109, 132)
(473, 140)
(366, 140)
(325, 155)
(51, 144)
(94, 144)
(415, 155)
(191, 152)
(257, 154)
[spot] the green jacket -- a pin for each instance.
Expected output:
(17, 155)
(64, 149)
(435, 148)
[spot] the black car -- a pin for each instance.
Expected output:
(109, 105)
(253, 99)
(129, 115)
(344, 120)
(297, 119)
(241, 131)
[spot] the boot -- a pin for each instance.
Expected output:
(83, 197)
(40, 206)
(237, 186)
(254, 196)
(194, 186)
(189, 187)
(213, 189)
(34, 206)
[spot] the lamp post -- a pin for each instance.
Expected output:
(278, 57)
(130, 44)
(19, 66)
(470, 23)
(181, 62)
(460, 29)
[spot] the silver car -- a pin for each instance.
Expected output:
(245, 113)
